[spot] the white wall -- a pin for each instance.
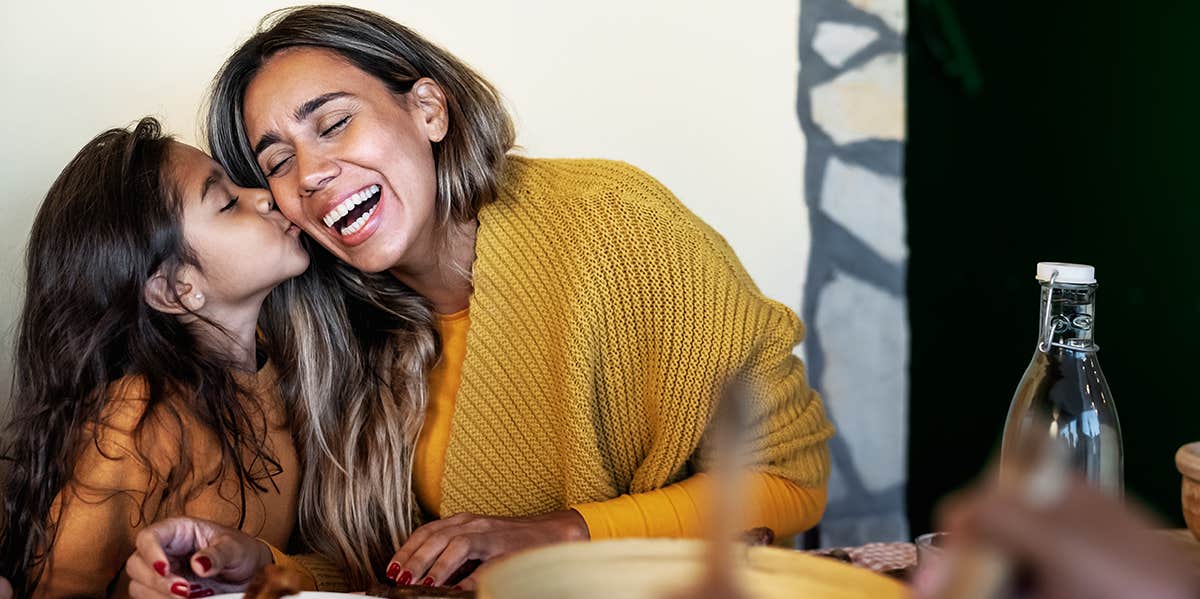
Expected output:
(699, 93)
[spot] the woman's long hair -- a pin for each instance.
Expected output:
(109, 223)
(354, 348)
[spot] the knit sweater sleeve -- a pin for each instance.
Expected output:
(679, 510)
(701, 322)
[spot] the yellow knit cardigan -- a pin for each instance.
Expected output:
(605, 318)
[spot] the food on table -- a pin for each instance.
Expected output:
(273, 582)
(412, 591)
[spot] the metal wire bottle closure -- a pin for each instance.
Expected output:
(1045, 343)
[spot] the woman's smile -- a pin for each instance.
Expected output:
(356, 216)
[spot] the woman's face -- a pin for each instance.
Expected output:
(244, 246)
(347, 160)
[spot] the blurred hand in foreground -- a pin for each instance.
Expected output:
(1084, 545)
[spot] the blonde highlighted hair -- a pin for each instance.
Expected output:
(353, 348)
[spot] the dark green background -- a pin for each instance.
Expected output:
(1080, 147)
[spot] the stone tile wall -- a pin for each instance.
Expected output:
(851, 109)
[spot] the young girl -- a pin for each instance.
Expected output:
(138, 391)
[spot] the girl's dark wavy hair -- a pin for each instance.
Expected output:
(109, 223)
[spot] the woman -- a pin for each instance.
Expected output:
(139, 393)
(535, 344)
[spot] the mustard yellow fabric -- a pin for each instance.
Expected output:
(679, 510)
(674, 511)
(605, 319)
(429, 456)
(604, 322)
(103, 506)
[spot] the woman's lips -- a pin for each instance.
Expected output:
(369, 226)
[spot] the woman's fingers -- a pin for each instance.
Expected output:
(435, 556)
(468, 584)
(412, 560)
(458, 551)
(416, 566)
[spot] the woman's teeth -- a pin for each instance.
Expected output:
(347, 205)
(358, 223)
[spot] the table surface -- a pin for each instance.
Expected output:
(883, 557)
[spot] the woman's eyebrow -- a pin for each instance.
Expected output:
(308, 107)
(302, 112)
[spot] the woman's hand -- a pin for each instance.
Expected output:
(189, 557)
(435, 552)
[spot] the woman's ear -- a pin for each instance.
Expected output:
(429, 105)
(181, 298)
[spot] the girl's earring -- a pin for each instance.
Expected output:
(199, 296)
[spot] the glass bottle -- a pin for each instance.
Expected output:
(1063, 392)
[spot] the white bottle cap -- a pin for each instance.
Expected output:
(1076, 274)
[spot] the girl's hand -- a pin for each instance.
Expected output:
(436, 552)
(189, 557)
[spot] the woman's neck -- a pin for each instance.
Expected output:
(444, 277)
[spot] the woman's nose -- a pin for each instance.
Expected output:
(315, 170)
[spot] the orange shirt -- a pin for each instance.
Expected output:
(103, 507)
(672, 511)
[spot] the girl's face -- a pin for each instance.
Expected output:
(347, 160)
(245, 247)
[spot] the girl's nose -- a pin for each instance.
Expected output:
(264, 203)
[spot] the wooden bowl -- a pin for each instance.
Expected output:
(656, 568)
(1187, 459)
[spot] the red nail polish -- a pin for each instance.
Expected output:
(428, 582)
(179, 589)
(202, 593)
(393, 570)
(457, 587)
(161, 568)
(405, 578)
(204, 562)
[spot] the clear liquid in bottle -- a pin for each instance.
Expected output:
(1063, 393)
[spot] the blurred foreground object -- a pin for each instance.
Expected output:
(273, 582)
(656, 568)
(1187, 460)
(1085, 544)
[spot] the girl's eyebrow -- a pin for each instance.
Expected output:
(213, 177)
(302, 112)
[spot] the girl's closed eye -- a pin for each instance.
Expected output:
(232, 202)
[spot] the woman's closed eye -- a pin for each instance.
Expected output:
(339, 125)
(274, 170)
(232, 202)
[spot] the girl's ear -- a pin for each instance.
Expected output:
(182, 298)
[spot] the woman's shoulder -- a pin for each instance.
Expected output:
(550, 179)
(583, 195)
